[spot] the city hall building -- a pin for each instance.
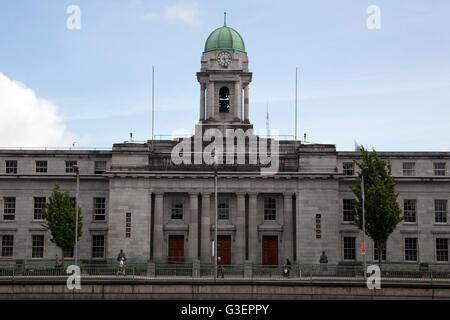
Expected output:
(134, 197)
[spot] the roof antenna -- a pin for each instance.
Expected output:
(131, 136)
(224, 19)
(267, 121)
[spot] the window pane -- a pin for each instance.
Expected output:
(37, 249)
(11, 166)
(442, 249)
(69, 166)
(348, 207)
(99, 209)
(439, 168)
(270, 209)
(7, 245)
(41, 166)
(409, 210)
(349, 248)
(98, 246)
(177, 210)
(9, 208)
(440, 211)
(409, 168)
(348, 168)
(39, 208)
(411, 249)
(223, 209)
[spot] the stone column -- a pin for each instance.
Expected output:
(237, 99)
(202, 102)
(193, 226)
(246, 102)
(158, 237)
(205, 241)
(288, 227)
(297, 226)
(239, 255)
(253, 245)
(211, 107)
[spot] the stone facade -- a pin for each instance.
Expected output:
(155, 208)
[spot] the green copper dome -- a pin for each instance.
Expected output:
(224, 38)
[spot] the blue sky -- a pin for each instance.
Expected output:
(387, 88)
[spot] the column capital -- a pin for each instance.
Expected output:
(252, 194)
(287, 195)
(193, 194)
(206, 194)
(240, 194)
(158, 193)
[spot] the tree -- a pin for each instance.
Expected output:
(382, 212)
(60, 216)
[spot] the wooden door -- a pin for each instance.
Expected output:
(224, 248)
(176, 248)
(270, 250)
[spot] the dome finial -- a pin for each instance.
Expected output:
(224, 19)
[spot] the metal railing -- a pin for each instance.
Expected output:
(395, 273)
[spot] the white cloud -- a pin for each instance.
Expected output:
(27, 120)
(183, 12)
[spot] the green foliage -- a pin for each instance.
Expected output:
(60, 216)
(382, 212)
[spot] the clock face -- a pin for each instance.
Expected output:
(224, 58)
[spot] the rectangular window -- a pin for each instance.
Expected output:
(7, 245)
(270, 209)
(177, 210)
(68, 253)
(440, 211)
(442, 249)
(9, 208)
(11, 166)
(223, 209)
(349, 248)
(128, 225)
(409, 210)
(348, 168)
(41, 166)
(99, 209)
(439, 168)
(98, 246)
(100, 167)
(410, 249)
(348, 206)
(37, 248)
(39, 208)
(409, 169)
(376, 252)
(70, 166)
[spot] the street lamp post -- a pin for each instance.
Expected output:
(215, 216)
(77, 172)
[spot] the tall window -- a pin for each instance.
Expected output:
(348, 168)
(440, 211)
(99, 209)
(177, 210)
(9, 208)
(7, 245)
(69, 166)
(98, 246)
(223, 209)
(409, 210)
(348, 206)
(99, 167)
(439, 168)
(224, 99)
(442, 249)
(409, 169)
(11, 166)
(376, 252)
(349, 248)
(411, 249)
(41, 166)
(270, 209)
(39, 208)
(37, 246)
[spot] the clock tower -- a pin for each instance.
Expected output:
(224, 79)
